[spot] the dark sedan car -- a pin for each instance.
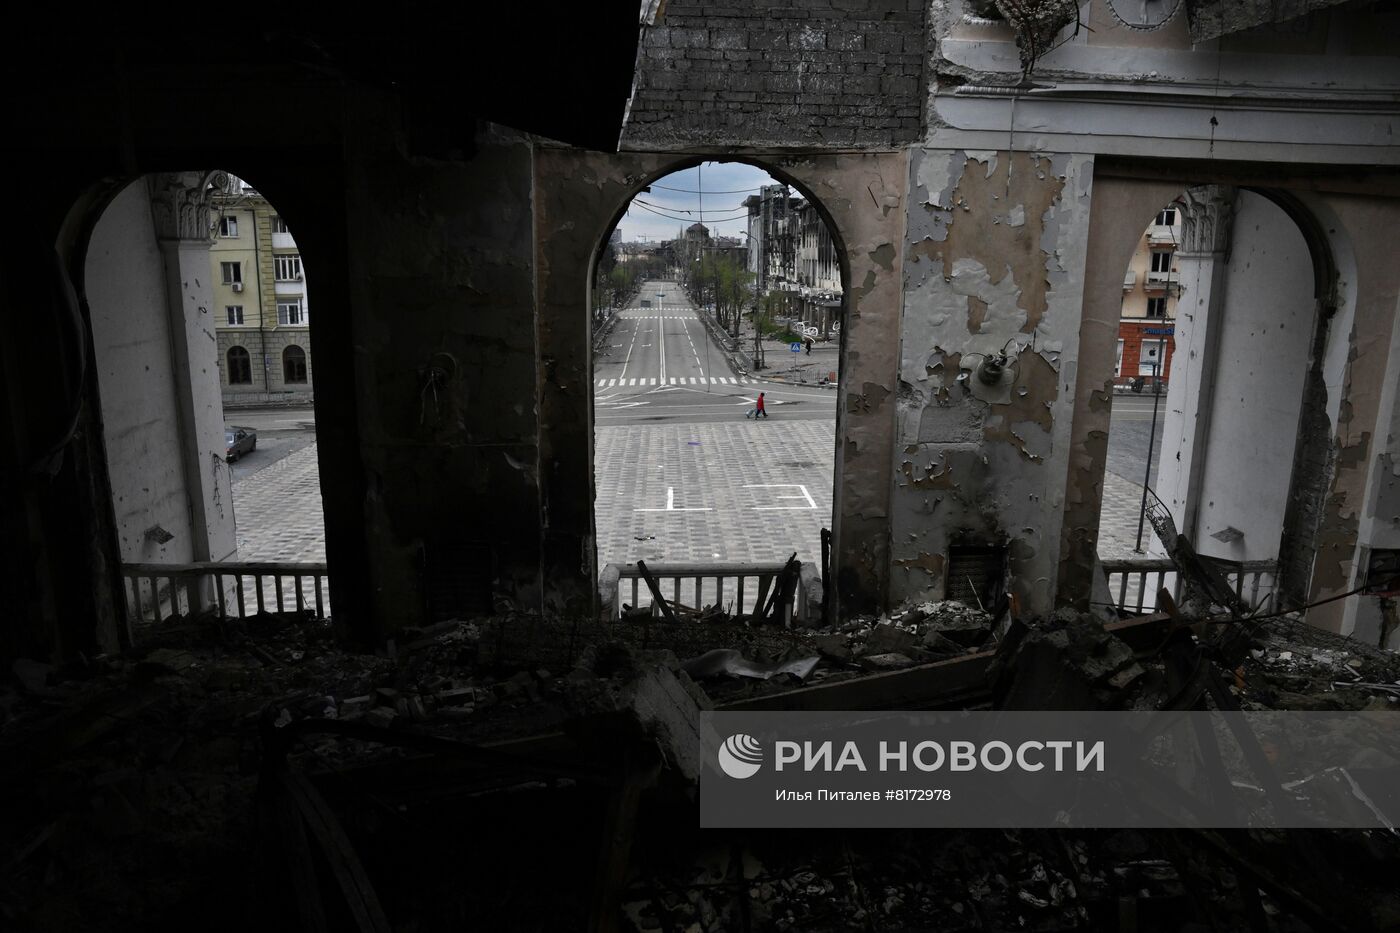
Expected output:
(240, 441)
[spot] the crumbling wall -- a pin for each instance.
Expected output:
(1356, 368)
(443, 312)
(994, 261)
(1122, 208)
(579, 196)
(848, 73)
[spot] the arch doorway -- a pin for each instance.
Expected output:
(200, 312)
(717, 283)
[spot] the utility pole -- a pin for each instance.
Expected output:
(1151, 441)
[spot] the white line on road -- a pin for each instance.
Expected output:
(629, 351)
(671, 504)
(811, 503)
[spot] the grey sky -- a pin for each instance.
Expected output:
(717, 187)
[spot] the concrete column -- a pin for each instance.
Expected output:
(1207, 225)
(180, 210)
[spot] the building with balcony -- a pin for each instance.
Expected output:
(261, 304)
(1151, 287)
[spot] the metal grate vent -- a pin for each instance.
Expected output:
(977, 575)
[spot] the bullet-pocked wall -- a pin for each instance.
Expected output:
(443, 309)
(994, 264)
(579, 196)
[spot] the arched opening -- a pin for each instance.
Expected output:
(240, 366)
(200, 325)
(1218, 400)
(294, 365)
(718, 283)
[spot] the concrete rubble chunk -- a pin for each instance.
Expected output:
(884, 639)
(382, 717)
(1067, 662)
(887, 660)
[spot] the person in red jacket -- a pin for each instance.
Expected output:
(759, 410)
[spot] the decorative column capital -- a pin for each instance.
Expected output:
(180, 203)
(1208, 218)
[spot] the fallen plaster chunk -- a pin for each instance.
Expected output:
(732, 662)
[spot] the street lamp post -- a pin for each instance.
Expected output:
(1151, 441)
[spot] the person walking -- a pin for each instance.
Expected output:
(760, 411)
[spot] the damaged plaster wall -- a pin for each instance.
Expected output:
(1357, 367)
(443, 312)
(578, 198)
(1122, 208)
(995, 260)
(1267, 321)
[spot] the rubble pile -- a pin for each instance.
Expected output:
(930, 631)
(131, 783)
(1294, 666)
(935, 882)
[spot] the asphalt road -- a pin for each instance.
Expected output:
(281, 432)
(1128, 435)
(660, 366)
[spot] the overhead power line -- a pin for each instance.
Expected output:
(673, 217)
(696, 191)
(683, 210)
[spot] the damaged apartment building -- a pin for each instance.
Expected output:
(986, 171)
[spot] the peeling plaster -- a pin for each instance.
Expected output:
(994, 248)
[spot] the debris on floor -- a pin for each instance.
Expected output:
(126, 776)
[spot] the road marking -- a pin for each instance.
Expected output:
(671, 504)
(662, 344)
(811, 503)
(625, 361)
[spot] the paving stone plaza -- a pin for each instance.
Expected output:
(739, 492)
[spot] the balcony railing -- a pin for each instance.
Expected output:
(738, 590)
(157, 593)
(1134, 584)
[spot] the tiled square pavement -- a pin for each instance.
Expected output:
(764, 488)
(757, 491)
(279, 518)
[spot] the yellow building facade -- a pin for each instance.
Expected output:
(261, 302)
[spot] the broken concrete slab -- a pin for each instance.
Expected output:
(1068, 662)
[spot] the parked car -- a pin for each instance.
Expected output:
(240, 441)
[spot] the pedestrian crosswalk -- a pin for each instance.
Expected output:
(632, 316)
(675, 381)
